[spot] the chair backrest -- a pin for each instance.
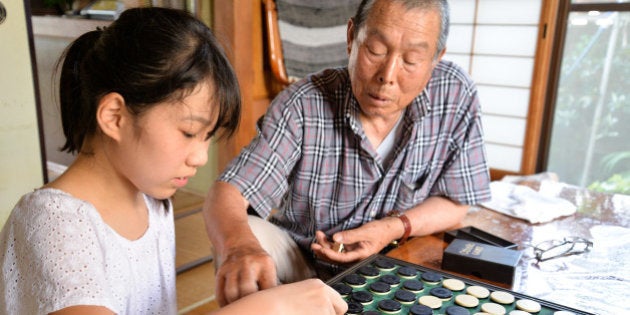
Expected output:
(305, 36)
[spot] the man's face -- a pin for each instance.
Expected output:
(392, 57)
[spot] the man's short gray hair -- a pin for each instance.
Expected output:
(439, 5)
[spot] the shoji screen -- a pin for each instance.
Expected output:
(495, 40)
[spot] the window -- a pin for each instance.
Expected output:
(588, 110)
(503, 71)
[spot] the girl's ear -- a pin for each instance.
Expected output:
(112, 114)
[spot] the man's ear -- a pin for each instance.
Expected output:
(350, 35)
(440, 55)
(112, 114)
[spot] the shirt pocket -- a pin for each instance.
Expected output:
(414, 188)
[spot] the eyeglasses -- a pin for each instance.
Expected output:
(561, 248)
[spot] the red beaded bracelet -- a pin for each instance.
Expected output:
(406, 225)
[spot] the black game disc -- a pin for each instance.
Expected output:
(369, 271)
(420, 310)
(384, 264)
(413, 285)
(354, 280)
(380, 287)
(404, 296)
(407, 272)
(456, 310)
(354, 308)
(389, 305)
(431, 276)
(390, 279)
(361, 297)
(342, 288)
(441, 293)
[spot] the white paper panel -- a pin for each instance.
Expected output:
(504, 130)
(504, 100)
(503, 71)
(508, 12)
(503, 157)
(506, 40)
(460, 39)
(462, 11)
(501, 64)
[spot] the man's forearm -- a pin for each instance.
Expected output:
(435, 214)
(225, 215)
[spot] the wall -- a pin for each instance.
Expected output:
(21, 166)
(48, 49)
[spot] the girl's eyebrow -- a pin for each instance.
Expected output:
(198, 118)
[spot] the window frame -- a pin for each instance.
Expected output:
(562, 10)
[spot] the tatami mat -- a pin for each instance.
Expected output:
(195, 285)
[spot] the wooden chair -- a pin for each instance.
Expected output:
(305, 36)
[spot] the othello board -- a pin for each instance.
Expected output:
(384, 285)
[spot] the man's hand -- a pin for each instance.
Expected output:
(245, 269)
(358, 243)
(243, 266)
(432, 215)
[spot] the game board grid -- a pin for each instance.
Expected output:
(547, 308)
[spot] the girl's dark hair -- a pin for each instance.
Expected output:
(148, 55)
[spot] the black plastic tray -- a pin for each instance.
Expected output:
(547, 308)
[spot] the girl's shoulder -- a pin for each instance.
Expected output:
(46, 194)
(49, 206)
(50, 201)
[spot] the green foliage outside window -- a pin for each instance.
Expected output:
(590, 146)
(618, 182)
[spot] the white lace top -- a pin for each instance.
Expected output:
(56, 252)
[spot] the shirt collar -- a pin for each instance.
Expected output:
(351, 113)
(419, 107)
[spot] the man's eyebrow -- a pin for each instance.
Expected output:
(380, 36)
(424, 45)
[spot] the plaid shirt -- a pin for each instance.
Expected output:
(312, 161)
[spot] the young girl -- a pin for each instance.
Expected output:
(140, 101)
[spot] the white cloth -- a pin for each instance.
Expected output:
(525, 203)
(291, 265)
(56, 252)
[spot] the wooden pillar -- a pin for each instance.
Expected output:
(238, 25)
(233, 25)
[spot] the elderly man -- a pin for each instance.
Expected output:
(388, 148)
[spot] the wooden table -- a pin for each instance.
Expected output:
(596, 282)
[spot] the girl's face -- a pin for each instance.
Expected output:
(162, 149)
